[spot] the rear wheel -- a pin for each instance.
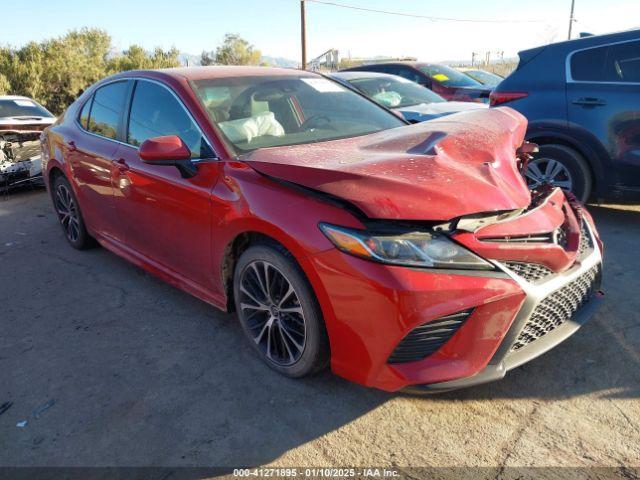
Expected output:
(279, 312)
(69, 215)
(560, 166)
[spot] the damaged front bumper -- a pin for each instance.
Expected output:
(20, 157)
(553, 310)
(429, 330)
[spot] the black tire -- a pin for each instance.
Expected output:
(575, 164)
(285, 327)
(69, 214)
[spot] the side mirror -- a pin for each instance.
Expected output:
(168, 151)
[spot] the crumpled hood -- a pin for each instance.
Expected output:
(438, 170)
(427, 111)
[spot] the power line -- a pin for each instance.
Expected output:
(428, 17)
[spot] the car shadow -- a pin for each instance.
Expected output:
(144, 374)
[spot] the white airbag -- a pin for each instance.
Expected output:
(246, 129)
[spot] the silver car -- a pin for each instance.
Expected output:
(414, 102)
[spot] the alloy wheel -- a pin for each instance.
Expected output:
(547, 171)
(67, 213)
(271, 310)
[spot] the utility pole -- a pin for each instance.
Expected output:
(571, 19)
(303, 35)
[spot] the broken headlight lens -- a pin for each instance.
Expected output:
(415, 249)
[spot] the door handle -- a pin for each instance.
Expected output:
(122, 165)
(71, 145)
(589, 102)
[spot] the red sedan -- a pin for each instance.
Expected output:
(406, 256)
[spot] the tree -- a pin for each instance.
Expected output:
(5, 85)
(234, 50)
(136, 58)
(207, 58)
(54, 72)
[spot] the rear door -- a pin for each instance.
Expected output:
(90, 151)
(166, 218)
(603, 97)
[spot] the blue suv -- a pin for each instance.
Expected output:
(582, 100)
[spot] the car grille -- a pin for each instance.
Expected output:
(424, 340)
(531, 272)
(558, 308)
(539, 238)
(586, 242)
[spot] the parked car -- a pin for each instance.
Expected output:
(581, 98)
(485, 78)
(21, 122)
(404, 255)
(443, 80)
(413, 102)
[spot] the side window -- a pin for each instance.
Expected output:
(106, 111)
(588, 65)
(155, 112)
(84, 113)
(623, 63)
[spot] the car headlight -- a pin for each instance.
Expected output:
(415, 249)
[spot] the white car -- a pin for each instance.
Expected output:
(21, 122)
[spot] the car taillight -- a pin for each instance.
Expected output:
(498, 98)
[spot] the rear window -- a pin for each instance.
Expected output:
(22, 107)
(395, 92)
(449, 77)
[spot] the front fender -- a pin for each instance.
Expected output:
(245, 201)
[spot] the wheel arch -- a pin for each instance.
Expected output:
(591, 153)
(54, 172)
(242, 240)
(232, 252)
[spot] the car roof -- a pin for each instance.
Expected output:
(588, 41)
(210, 72)
(352, 75)
(15, 97)
(408, 63)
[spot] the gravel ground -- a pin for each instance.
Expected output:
(144, 374)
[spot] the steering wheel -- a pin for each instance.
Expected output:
(315, 121)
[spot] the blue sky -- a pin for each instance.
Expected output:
(273, 25)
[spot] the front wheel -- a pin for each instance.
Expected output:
(279, 312)
(560, 166)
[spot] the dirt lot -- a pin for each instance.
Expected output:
(143, 374)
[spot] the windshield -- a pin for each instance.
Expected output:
(449, 77)
(395, 92)
(486, 78)
(269, 111)
(22, 107)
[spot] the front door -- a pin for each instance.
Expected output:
(166, 218)
(603, 97)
